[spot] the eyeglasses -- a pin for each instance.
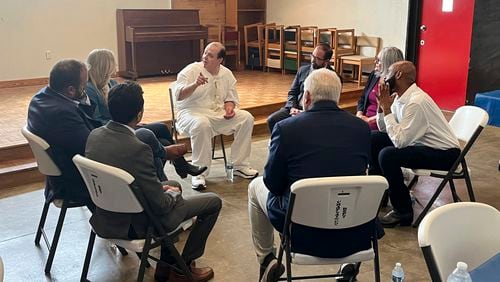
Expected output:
(316, 58)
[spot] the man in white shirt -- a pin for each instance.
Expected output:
(413, 134)
(206, 100)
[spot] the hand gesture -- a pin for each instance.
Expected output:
(294, 111)
(171, 188)
(200, 80)
(175, 151)
(229, 109)
(384, 98)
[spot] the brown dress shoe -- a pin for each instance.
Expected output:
(200, 274)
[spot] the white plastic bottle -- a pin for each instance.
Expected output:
(460, 274)
(230, 171)
(398, 274)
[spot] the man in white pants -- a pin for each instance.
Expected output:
(206, 101)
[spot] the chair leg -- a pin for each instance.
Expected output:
(213, 148)
(180, 261)
(122, 251)
(376, 264)
(144, 257)
(454, 191)
(55, 240)
(360, 74)
(413, 182)
(45, 210)
(86, 263)
(468, 182)
(223, 149)
(148, 265)
(288, 263)
(431, 201)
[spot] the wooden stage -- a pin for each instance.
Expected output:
(255, 88)
(261, 93)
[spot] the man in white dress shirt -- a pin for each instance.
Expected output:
(206, 101)
(413, 134)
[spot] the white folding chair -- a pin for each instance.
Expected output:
(467, 232)
(333, 204)
(47, 167)
(106, 184)
(467, 123)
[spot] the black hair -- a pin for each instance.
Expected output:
(125, 102)
(327, 49)
(66, 73)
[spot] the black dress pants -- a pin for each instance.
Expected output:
(387, 160)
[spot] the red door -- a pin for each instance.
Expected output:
(443, 58)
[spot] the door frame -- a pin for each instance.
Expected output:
(413, 30)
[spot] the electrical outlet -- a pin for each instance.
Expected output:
(48, 55)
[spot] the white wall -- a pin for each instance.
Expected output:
(386, 19)
(68, 28)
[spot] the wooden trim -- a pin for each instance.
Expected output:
(24, 82)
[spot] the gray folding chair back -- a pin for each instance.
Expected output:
(106, 184)
(336, 204)
(39, 148)
(47, 167)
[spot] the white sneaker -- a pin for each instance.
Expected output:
(246, 172)
(198, 182)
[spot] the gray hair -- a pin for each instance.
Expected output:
(323, 84)
(388, 56)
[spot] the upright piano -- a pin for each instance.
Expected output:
(155, 42)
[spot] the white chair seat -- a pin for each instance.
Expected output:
(302, 259)
(428, 172)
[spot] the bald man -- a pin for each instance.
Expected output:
(207, 102)
(413, 134)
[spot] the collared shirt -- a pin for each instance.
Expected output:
(129, 128)
(417, 121)
(209, 97)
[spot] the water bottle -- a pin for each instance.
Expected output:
(230, 171)
(398, 274)
(460, 274)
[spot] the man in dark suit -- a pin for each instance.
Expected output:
(320, 58)
(320, 142)
(116, 144)
(60, 114)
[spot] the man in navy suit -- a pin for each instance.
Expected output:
(320, 58)
(60, 114)
(320, 142)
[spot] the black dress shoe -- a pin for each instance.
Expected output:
(183, 168)
(349, 272)
(393, 218)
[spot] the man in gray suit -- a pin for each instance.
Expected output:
(115, 144)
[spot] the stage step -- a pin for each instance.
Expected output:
(18, 166)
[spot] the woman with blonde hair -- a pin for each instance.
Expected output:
(367, 104)
(102, 66)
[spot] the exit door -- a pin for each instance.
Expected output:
(444, 51)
